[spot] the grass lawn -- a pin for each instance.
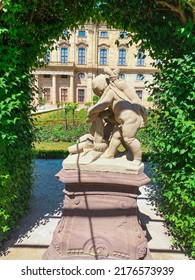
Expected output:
(59, 115)
(51, 146)
(60, 150)
(51, 150)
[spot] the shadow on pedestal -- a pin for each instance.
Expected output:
(100, 217)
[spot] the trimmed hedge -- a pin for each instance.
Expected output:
(51, 154)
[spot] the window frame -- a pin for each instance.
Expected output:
(81, 96)
(139, 93)
(81, 75)
(64, 56)
(48, 95)
(122, 55)
(103, 56)
(139, 77)
(124, 33)
(80, 33)
(65, 95)
(46, 76)
(141, 58)
(82, 56)
(122, 76)
(105, 32)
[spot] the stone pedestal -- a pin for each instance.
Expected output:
(100, 217)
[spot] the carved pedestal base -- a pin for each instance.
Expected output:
(99, 218)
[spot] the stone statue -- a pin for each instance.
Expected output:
(100, 216)
(115, 119)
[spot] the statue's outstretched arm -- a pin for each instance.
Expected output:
(101, 105)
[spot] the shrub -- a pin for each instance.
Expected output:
(56, 131)
(172, 141)
(51, 154)
(15, 153)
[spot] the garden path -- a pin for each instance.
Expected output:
(34, 233)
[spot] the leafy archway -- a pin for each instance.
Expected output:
(166, 27)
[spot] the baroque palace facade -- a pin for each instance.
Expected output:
(75, 62)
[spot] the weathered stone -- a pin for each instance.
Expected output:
(100, 218)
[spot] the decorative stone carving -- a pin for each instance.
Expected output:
(99, 225)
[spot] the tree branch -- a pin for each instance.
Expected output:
(1, 4)
(177, 9)
(191, 3)
(31, 16)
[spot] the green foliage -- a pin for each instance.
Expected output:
(172, 134)
(27, 30)
(95, 99)
(60, 131)
(163, 27)
(166, 29)
(58, 115)
(50, 154)
(42, 101)
(70, 106)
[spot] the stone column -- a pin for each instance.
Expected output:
(72, 97)
(54, 89)
(100, 218)
(89, 87)
(36, 98)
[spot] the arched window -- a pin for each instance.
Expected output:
(81, 75)
(139, 77)
(64, 55)
(122, 76)
(103, 56)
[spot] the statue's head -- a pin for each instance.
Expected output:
(99, 84)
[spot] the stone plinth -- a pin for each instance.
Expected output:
(100, 217)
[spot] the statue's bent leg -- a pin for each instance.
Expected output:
(113, 145)
(128, 133)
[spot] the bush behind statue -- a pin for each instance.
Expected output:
(57, 131)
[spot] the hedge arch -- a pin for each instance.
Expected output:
(29, 27)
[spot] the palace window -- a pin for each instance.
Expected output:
(65, 32)
(64, 76)
(47, 94)
(46, 76)
(64, 94)
(139, 93)
(82, 33)
(103, 56)
(81, 55)
(64, 55)
(123, 34)
(81, 75)
(122, 57)
(81, 95)
(139, 77)
(140, 58)
(122, 76)
(47, 57)
(103, 34)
